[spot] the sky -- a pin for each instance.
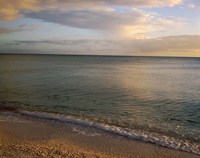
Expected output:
(101, 27)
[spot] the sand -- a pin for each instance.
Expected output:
(27, 138)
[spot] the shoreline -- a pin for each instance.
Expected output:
(142, 136)
(31, 137)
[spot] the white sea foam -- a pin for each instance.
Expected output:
(87, 133)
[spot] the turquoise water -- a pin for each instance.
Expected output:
(149, 95)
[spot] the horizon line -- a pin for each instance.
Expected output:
(98, 55)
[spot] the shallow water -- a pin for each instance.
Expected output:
(148, 94)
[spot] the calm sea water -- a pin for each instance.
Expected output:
(145, 94)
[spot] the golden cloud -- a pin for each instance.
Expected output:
(12, 9)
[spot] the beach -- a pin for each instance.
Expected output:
(22, 136)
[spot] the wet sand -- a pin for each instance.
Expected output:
(24, 137)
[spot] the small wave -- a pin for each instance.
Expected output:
(155, 138)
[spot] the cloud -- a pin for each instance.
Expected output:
(68, 42)
(194, 6)
(28, 27)
(170, 44)
(135, 23)
(20, 28)
(146, 3)
(183, 45)
(12, 9)
(75, 45)
(97, 15)
(8, 30)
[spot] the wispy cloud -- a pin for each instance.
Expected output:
(8, 30)
(135, 23)
(22, 27)
(194, 6)
(76, 45)
(184, 45)
(10, 10)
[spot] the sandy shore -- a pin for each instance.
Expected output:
(24, 137)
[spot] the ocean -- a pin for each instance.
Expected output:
(152, 99)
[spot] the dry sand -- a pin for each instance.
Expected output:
(24, 138)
